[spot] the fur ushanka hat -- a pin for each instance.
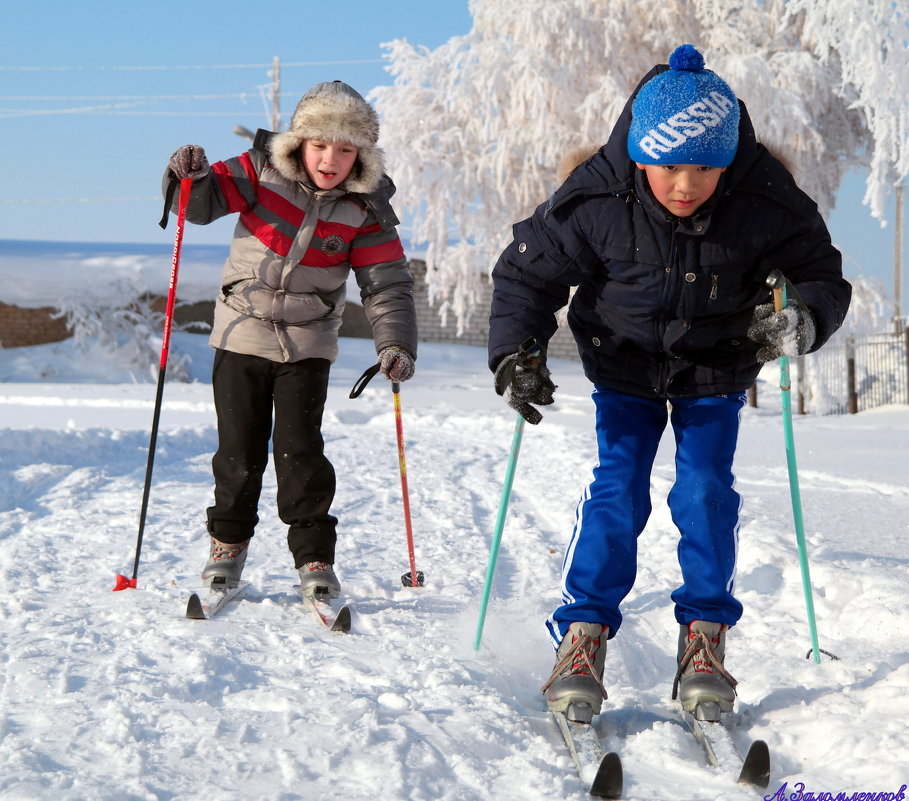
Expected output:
(332, 112)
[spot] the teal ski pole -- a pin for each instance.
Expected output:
(500, 525)
(777, 282)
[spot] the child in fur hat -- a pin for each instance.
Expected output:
(669, 232)
(312, 205)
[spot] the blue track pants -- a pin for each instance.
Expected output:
(601, 560)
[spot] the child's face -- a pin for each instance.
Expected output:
(328, 163)
(682, 188)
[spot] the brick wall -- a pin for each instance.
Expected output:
(22, 327)
(431, 329)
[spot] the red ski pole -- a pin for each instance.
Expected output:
(414, 578)
(186, 185)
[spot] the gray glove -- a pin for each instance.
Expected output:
(189, 161)
(523, 378)
(396, 364)
(789, 332)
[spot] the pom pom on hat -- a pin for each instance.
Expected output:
(686, 57)
(685, 115)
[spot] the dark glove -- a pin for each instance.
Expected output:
(396, 364)
(789, 332)
(523, 378)
(189, 161)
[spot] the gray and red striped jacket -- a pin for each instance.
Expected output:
(283, 287)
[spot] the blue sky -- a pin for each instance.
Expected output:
(95, 96)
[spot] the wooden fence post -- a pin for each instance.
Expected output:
(906, 353)
(850, 375)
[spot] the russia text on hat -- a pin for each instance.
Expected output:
(708, 112)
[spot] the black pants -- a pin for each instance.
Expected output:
(246, 390)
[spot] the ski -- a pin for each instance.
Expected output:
(602, 773)
(330, 618)
(722, 753)
(213, 599)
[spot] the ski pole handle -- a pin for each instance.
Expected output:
(778, 283)
(784, 289)
(778, 302)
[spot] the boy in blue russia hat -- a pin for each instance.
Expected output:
(668, 232)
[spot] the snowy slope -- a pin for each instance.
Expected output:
(116, 697)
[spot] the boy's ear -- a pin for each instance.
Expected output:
(639, 165)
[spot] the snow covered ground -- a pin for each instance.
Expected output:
(115, 696)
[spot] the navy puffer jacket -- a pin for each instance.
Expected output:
(663, 304)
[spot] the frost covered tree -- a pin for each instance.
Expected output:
(866, 44)
(121, 323)
(476, 128)
(871, 309)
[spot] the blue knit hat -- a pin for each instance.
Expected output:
(685, 115)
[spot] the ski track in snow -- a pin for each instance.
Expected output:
(115, 696)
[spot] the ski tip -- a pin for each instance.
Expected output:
(342, 621)
(194, 610)
(408, 581)
(756, 766)
(609, 780)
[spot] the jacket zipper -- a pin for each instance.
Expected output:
(671, 279)
(296, 253)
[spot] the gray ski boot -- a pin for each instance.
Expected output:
(575, 687)
(225, 563)
(318, 578)
(702, 684)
